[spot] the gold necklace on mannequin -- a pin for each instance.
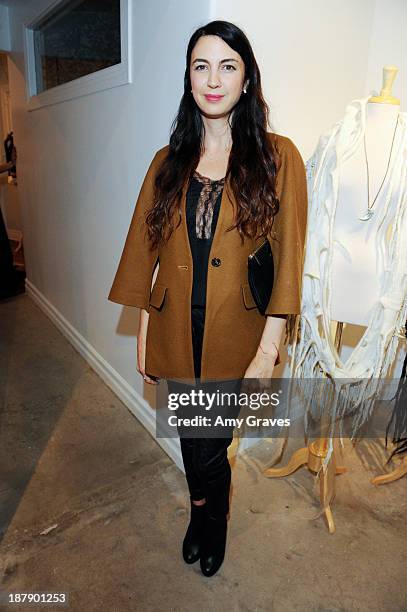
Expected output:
(369, 212)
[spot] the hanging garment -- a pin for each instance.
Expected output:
(314, 354)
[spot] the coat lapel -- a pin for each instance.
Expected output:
(186, 249)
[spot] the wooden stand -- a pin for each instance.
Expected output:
(313, 457)
(401, 469)
(399, 472)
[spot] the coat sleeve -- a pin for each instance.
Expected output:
(132, 282)
(288, 236)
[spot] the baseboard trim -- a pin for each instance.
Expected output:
(120, 387)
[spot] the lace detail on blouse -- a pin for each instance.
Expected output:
(206, 203)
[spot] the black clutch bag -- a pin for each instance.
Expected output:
(261, 275)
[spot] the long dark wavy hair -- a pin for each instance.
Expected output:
(253, 160)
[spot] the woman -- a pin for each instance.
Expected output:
(210, 198)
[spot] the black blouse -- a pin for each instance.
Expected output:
(203, 200)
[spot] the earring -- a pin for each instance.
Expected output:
(244, 90)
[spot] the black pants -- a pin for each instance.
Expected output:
(207, 468)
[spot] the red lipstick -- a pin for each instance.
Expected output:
(213, 97)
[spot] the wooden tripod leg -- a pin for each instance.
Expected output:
(341, 469)
(313, 456)
(399, 472)
(329, 519)
(327, 492)
(299, 458)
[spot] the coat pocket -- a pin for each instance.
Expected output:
(157, 296)
(248, 297)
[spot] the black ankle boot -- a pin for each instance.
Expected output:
(214, 544)
(191, 546)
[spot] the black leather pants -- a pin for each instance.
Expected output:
(207, 468)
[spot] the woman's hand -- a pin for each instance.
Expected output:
(142, 338)
(141, 347)
(260, 370)
(262, 364)
(267, 356)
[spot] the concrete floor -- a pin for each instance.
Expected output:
(74, 458)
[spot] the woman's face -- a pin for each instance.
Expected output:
(217, 76)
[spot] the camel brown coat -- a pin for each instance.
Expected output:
(233, 325)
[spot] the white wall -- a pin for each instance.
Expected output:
(388, 46)
(4, 29)
(313, 57)
(317, 56)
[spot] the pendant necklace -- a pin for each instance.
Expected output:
(369, 212)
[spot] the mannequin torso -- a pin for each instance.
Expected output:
(354, 274)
